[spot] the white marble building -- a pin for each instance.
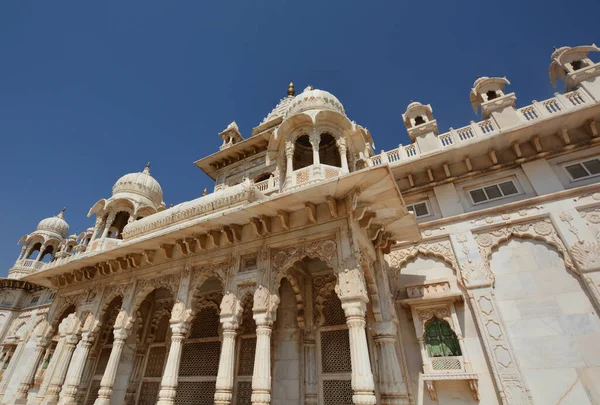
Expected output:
(463, 268)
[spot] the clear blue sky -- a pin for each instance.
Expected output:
(90, 91)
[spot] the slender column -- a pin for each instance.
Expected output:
(29, 375)
(315, 140)
(75, 374)
(62, 365)
(39, 256)
(261, 375)
(108, 224)
(341, 144)
(311, 386)
(168, 385)
(50, 369)
(98, 226)
(289, 169)
(136, 374)
(265, 305)
(110, 374)
(363, 384)
(23, 250)
(391, 384)
(40, 371)
(231, 311)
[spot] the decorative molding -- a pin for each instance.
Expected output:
(325, 250)
(542, 230)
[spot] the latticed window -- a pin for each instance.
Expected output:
(245, 356)
(200, 355)
(440, 339)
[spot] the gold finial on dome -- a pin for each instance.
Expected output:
(204, 192)
(291, 91)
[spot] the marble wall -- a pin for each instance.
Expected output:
(551, 323)
(423, 269)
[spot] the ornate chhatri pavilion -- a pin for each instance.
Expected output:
(462, 268)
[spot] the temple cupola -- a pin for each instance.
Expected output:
(41, 246)
(574, 67)
(421, 126)
(134, 196)
(489, 95)
(231, 135)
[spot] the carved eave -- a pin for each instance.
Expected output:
(222, 229)
(482, 145)
(451, 296)
(235, 153)
(17, 284)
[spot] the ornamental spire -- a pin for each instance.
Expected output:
(61, 214)
(291, 91)
(147, 168)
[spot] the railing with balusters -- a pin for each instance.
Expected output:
(553, 106)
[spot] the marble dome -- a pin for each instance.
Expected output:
(140, 183)
(314, 99)
(55, 224)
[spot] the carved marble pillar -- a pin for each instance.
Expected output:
(311, 385)
(289, 169)
(29, 375)
(98, 227)
(108, 224)
(41, 370)
(261, 375)
(341, 144)
(75, 374)
(50, 369)
(231, 311)
(60, 371)
(352, 290)
(123, 325)
(315, 141)
(168, 385)
(391, 381)
(264, 307)
(41, 252)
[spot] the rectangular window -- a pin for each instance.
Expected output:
(35, 299)
(52, 295)
(493, 192)
(421, 209)
(583, 169)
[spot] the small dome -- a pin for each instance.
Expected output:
(55, 224)
(559, 51)
(480, 80)
(414, 104)
(140, 183)
(314, 99)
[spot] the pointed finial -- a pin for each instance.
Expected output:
(554, 48)
(62, 212)
(291, 91)
(147, 168)
(204, 192)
